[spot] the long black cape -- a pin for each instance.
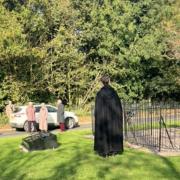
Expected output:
(108, 122)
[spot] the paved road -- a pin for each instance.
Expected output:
(14, 133)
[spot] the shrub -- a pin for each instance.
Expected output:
(3, 119)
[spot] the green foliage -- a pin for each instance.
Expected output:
(84, 111)
(3, 119)
(125, 38)
(12, 38)
(60, 48)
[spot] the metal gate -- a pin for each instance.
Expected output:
(154, 125)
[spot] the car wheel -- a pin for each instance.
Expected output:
(69, 123)
(26, 127)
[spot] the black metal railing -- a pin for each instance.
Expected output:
(154, 125)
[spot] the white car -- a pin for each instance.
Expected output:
(19, 119)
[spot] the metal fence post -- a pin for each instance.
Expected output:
(92, 119)
(125, 121)
(151, 117)
(160, 130)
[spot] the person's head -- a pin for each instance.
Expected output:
(43, 105)
(105, 80)
(30, 104)
(10, 102)
(59, 101)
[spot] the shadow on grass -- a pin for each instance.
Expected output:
(75, 159)
(104, 167)
(171, 166)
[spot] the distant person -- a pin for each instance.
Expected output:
(60, 115)
(9, 110)
(43, 118)
(108, 121)
(30, 113)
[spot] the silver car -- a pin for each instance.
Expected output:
(19, 119)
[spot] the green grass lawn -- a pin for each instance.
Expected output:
(154, 125)
(75, 159)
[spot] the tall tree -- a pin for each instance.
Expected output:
(124, 38)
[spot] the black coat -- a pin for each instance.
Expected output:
(108, 122)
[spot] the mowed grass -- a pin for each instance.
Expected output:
(75, 159)
(154, 125)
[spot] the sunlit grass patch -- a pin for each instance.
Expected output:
(75, 159)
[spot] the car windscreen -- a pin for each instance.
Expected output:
(51, 109)
(17, 109)
(37, 108)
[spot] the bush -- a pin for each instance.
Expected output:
(81, 111)
(3, 119)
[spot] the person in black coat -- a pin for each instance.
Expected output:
(108, 121)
